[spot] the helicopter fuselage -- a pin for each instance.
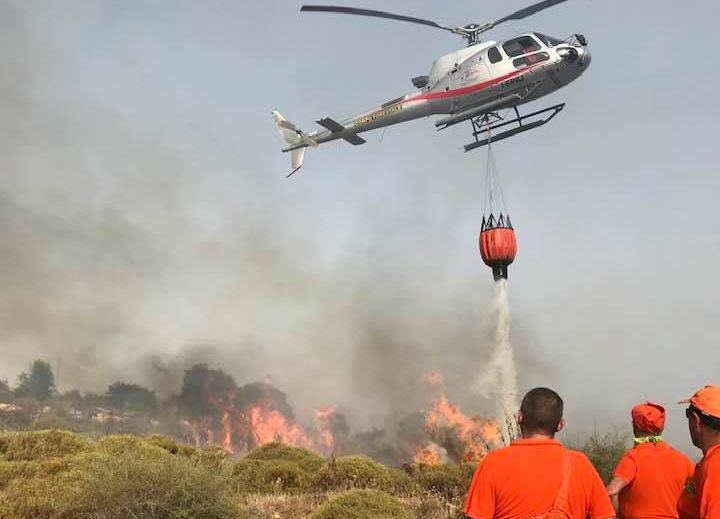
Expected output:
(481, 78)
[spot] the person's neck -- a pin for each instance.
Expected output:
(709, 442)
(537, 436)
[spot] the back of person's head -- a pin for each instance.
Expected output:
(541, 412)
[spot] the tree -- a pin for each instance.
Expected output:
(132, 397)
(4, 388)
(204, 391)
(39, 383)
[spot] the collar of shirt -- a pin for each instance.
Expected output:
(529, 442)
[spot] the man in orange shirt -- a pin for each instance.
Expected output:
(536, 476)
(650, 477)
(701, 497)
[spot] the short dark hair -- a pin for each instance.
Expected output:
(542, 410)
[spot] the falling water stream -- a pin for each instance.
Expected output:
(498, 380)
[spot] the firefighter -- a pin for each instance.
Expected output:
(536, 476)
(701, 497)
(651, 476)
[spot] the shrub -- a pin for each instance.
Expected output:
(38, 445)
(151, 484)
(269, 476)
(347, 472)
(44, 496)
(604, 451)
(362, 504)
(158, 440)
(308, 461)
(9, 470)
(450, 480)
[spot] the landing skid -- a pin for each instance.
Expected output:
(485, 125)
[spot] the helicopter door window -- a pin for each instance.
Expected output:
(494, 55)
(531, 59)
(520, 46)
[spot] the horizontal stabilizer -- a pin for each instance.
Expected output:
(354, 139)
(331, 124)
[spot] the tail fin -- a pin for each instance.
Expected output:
(296, 139)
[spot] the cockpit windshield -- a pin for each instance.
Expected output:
(520, 45)
(548, 40)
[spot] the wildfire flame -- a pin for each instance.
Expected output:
(323, 422)
(430, 454)
(259, 424)
(474, 435)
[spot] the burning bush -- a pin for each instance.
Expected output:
(348, 472)
(449, 480)
(362, 504)
(37, 445)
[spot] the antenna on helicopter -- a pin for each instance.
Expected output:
(469, 32)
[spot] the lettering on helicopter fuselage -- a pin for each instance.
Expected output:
(377, 115)
(512, 81)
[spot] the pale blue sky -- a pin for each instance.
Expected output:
(143, 179)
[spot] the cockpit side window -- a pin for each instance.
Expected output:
(548, 40)
(494, 55)
(521, 45)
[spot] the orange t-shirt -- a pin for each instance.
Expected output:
(656, 474)
(523, 480)
(701, 497)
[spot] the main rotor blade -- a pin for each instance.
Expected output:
(369, 12)
(524, 13)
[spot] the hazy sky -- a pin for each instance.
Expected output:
(145, 213)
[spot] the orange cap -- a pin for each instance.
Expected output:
(649, 417)
(706, 400)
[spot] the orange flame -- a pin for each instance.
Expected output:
(476, 436)
(272, 426)
(323, 421)
(430, 454)
(227, 432)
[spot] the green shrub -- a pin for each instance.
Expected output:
(604, 451)
(449, 480)
(152, 484)
(358, 471)
(362, 504)
(170, 445)
(127, 445)
(307, 460)
(55, 495)
(269, 476)
(38, 445)
(9, 470)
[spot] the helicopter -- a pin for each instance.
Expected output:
(472, 84)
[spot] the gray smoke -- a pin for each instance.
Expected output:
(135, 244)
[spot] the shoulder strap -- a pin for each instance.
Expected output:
(563, 496)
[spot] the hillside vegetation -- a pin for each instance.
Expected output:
(56, 474)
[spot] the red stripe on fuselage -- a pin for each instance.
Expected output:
(468, 89)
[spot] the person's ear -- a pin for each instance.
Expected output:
(695, 420)
(519, 417)
(561, 424)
